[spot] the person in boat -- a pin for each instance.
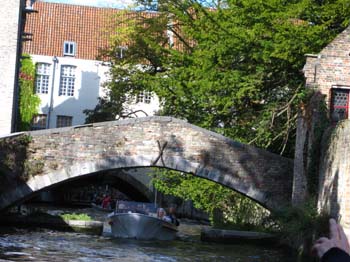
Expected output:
(161, 214)
(106, 202)
(172, 216)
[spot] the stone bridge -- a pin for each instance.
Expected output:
(34, 161)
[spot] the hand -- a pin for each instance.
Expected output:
(337, 238)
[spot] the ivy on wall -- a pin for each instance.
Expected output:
(14, 163)
(28, 100)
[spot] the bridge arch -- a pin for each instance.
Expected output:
(72, 152)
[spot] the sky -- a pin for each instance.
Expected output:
(99, 3)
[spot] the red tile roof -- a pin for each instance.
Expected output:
(55, 23)
(89, 27)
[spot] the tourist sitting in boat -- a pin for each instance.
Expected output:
(161, 214)
(106, 202)
(172, 216)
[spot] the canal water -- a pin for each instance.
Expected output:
(48, 245)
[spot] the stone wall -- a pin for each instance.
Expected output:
(57, 155)
(311, 123)
(10, 13)
(334, 190)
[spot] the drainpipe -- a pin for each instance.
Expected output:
(316, 67)
(55, 61)
(15, 102)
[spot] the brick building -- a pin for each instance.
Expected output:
(329, 72)
(11, 16)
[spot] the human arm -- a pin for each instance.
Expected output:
(335, 247)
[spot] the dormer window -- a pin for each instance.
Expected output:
(69, 48)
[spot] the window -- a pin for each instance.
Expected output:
(63, 121)
(39, 122)
(67, 80)
(340, 104)
(144, 97)
(121, 51)
(69, 48)
(42, 78)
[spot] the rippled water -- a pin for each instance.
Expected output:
(48, 245)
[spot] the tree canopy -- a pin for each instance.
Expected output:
(232, 66)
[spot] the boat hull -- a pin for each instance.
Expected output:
(140, 226)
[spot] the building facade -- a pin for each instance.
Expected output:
(69, 77)
(329, 73)
(11, 13)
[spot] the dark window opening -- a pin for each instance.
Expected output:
(339, 104)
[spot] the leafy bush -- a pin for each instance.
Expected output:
(74, 216)
(300, 226)
(28, 101)
(226, 208)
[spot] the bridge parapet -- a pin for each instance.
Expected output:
(62, 154)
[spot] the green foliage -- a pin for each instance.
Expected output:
(28, 100)
(320, 126)
(234, 209)
(14, 157)
(300, 226)
(75, 216)
(236, 70)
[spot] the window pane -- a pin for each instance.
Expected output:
(42, 78)
(63, 121)
(69, 48)
(67, 81)
(144, 97)
(340, 104)
(66, 48)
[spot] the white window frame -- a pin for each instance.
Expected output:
(42, 78)
(67, 81)
(144, 97)
(69, 48)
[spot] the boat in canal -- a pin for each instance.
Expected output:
(139, 221)
(100, 208)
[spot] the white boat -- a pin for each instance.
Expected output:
(140, 224)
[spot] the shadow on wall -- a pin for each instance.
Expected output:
(262, 176)
(328, 194)
(15, 169)
(87, 99)
(253, 173)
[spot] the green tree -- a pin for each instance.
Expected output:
(235, 210)
(235, 69)
(234, 66)
(28, 100)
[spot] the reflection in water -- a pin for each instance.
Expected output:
(48, 245)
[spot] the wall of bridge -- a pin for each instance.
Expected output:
(334, 187)
(69, 153)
